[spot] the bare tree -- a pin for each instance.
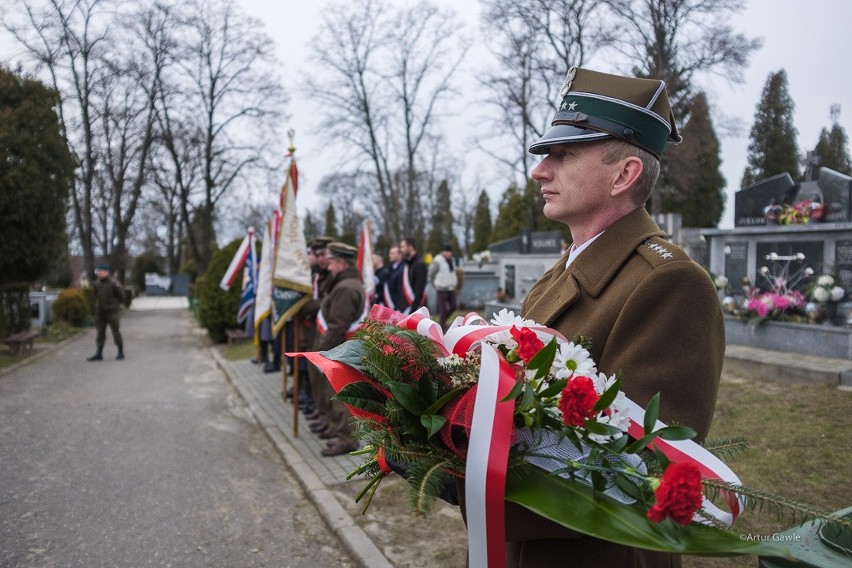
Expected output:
(384, 75)
(535, 43)
(229, 100)
(676, 40)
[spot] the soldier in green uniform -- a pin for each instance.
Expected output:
(109, 297)
(649, 311)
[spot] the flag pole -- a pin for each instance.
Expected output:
(295, 363)
(291, 150)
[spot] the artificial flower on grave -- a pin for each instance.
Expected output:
(796, 214)
(824, 290)
(523, 415)
(779, 299)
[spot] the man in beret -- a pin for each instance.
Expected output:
(342, 308)
(648, 309)
(109, 296)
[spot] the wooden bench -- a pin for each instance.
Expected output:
(235, 336)
(18, 341)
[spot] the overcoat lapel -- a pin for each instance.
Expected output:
(555, 297)
(592, 271)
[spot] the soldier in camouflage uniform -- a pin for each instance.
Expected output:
(109, 296)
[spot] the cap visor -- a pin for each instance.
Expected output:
(565, 134)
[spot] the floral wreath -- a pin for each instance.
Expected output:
(523, 415)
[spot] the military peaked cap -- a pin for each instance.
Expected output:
(342, 250)
(600, 106)
(319, 243)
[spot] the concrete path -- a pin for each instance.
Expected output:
(154, 460)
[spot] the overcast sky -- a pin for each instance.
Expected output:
(811, 40)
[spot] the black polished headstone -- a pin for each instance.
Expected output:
(736, 264)
(751, 202)
(836, 189)
(843, 266)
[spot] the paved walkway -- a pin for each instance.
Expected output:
(153, 460)
(301, 450)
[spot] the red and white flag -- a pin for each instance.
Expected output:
(238, 261)
(364, 262)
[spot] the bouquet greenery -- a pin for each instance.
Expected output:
(578, 451)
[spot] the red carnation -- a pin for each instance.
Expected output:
(578, 399)
(679, 494)
(528, 343)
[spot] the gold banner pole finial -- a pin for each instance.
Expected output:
(292, 147)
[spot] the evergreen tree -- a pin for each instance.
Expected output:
(833, 151)
(696, 182)
(310, 227)
(512, 216)
(330, 222)
(442, 221)
(773, 149)
(36, 175)
(482, 226)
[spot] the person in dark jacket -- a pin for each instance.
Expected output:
(414, 278)
(392, 289)
(109, 297)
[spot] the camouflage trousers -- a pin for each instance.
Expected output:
(101, 322)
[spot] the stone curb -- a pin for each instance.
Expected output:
(363, 549)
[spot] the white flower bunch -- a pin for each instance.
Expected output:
(826, 290)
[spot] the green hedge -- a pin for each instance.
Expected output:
(215, 308)
(70, 306)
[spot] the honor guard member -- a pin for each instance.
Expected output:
(307, 316)
(649, 311)
(342, 308)
(109, 297)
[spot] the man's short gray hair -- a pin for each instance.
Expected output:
(615, 150)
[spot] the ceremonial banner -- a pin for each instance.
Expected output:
(291, 274)
(249, 280)
(236, 263)
(364, 262)
(263, 297)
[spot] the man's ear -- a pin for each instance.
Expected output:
(630, 170)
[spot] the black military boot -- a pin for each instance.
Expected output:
(120, 355)
(98, 356)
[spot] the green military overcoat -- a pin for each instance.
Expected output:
(651, 313)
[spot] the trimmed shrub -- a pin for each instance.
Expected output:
(70, 306)
(217, 309)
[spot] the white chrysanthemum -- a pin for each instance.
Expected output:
(826, 281)
(602, 382)
(820, 294)
(618, 417)
(508, 317)
(837, 293)
(572, 359)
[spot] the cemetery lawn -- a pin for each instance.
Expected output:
(800, 448)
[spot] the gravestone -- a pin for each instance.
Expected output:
(836, 189)
(736, 263)
(751, 202)
(843, 266)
